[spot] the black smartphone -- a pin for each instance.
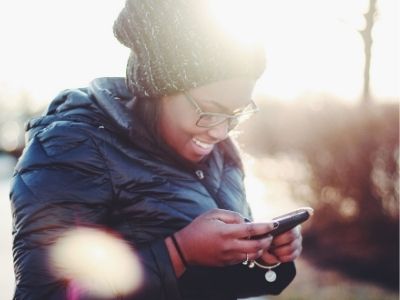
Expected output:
(288, 221)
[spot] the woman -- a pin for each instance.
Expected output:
(148, 157)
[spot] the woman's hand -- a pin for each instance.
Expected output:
(284, 247)
(220, 237)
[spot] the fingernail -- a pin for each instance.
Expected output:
(276, 224)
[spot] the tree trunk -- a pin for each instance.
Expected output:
(366, 35)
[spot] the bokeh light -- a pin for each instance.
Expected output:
(95, 263)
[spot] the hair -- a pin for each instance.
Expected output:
(148, 112)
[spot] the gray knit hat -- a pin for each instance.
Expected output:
(177, 45)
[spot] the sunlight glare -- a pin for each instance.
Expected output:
(242, 19)
(276, 185)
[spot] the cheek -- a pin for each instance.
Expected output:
(177, 130)
(182, 126)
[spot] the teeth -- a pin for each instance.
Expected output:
(201, 144)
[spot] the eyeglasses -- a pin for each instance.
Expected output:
(210, 119)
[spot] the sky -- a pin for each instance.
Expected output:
(313, 46)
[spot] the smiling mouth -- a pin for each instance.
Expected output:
(202, 144)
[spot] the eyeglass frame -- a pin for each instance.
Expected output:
(234, 116)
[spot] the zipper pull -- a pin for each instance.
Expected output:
(200, 174)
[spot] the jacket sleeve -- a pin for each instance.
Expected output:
(237, 281)
(61, 181)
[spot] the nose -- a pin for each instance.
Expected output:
(219, 132)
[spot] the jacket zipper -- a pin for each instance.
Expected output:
(199, 174)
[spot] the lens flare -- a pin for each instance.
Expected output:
(95, 263)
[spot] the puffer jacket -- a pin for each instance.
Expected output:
(85, 165)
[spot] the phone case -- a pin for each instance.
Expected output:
(288, 221)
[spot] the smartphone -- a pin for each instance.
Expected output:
(288, 221)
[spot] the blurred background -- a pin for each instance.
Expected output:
(327, 135)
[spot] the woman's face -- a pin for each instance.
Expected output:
(179, 116)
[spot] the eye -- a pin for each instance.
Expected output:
(208, 120)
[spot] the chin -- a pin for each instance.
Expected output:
(195, 159)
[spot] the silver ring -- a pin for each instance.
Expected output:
(246, 261)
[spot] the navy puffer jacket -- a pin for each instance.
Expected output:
(85, 165)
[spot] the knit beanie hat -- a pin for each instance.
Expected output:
(177, 45)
